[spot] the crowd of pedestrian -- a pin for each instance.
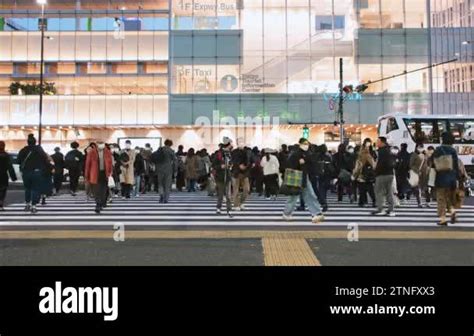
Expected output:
(372, 174)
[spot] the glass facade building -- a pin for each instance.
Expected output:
(164, 64)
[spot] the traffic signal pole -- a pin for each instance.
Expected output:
(341, 99)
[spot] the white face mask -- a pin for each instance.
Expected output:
(350, 150)
(394, 151)
(304, 147)
(101, 146)
(368, 144)
(128, 146)
(137, 151)
(420, 149)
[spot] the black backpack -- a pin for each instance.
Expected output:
(368, 173)
(159, 156)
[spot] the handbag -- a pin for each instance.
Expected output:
(414, 179)
(432, 177)
(344, 176)
(111, 182)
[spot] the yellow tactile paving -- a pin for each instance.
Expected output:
(288, 252)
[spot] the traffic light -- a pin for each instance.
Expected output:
(305, 132)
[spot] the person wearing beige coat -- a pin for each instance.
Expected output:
(127, 176)
(364, 178)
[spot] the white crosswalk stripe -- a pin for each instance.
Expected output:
(198, 209)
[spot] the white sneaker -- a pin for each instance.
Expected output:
(287, 218)
(391, 214)
(218, 211)
(242, 207)
(236, 209)
(317, 219)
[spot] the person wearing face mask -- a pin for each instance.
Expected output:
(344, 162)
(240, 174)
(139, 171)
(98, 169)
(299, 159)
(428, 191)
(127, 176)
(417, 166)
(384, 169)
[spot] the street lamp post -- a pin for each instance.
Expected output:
(42, 3)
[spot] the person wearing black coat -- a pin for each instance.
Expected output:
(139, 171)
(402, 171)
(34, 164)
(74, 162)
(6, 172)
(58, 159)
(300, 159)
(344, 161)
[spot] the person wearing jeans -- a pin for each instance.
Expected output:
(33, 163)
(299, 159)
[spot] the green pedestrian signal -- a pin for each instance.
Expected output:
(305, 132)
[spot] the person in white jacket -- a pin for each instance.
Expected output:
(271, 169)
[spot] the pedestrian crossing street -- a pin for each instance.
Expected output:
(198, 209)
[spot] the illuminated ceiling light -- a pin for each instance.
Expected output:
(36, 127)
(123, 8)
(22, 127)
(48, 127)
(41, 2)
(60, 127)
(70, 127)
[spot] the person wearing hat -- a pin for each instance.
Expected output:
(33, 162)
(58, 159)
(74, 162)
(6, 172)
(221, 170)
(271, 168)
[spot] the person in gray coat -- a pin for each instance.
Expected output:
(165, 162)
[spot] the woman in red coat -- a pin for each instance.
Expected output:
(98, 169)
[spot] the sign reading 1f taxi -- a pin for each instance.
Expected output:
(220, 5)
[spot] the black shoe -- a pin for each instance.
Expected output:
(43, 201)
(97, 209)
(33, 209)
(300, 208)
(361, 205)
(325, 208)
(454, 218)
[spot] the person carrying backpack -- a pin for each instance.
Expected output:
(445, 159)
(364, 175)
(6, 172)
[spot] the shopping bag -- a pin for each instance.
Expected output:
(414, 179)
(292, 183)
(111, 182)
(293, 178)
(432, 177)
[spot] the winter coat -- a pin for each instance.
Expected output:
(127, 170)
(270, 167)
(192, 167)
(168, 165)
(6, 169)
(385, 162)
(240, 156)
(139, 165)
(38, 159)
(58, 159)
(91, 169)
(218, 160)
